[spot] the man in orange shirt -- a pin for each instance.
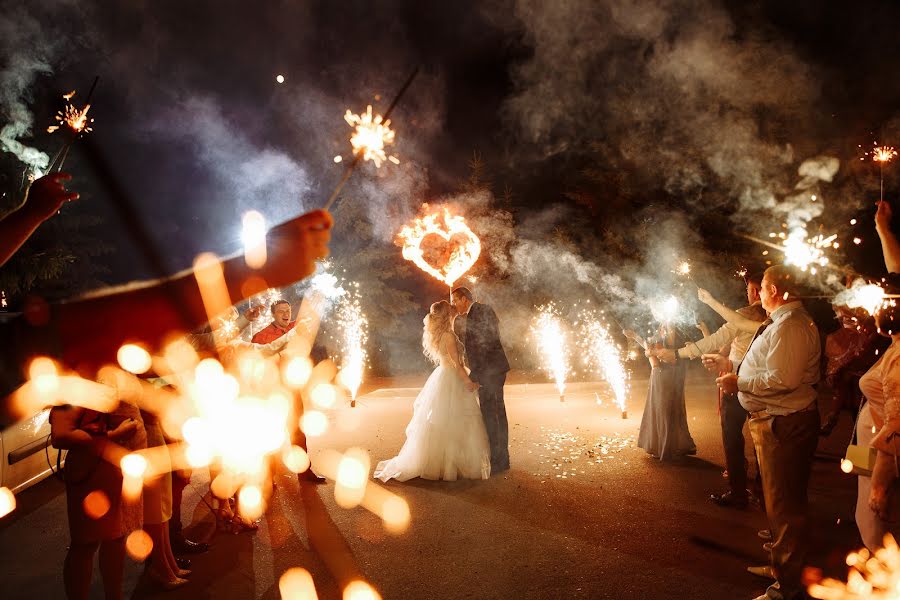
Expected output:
(281, 324)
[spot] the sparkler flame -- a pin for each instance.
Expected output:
(883, 154)
(868, 296)
(550, 339)
(370, 135)
(667, 310)
(872, 576)
(603, 355)
(804, 252)
(75, 119)
(448, 226)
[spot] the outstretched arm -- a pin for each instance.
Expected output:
(43, 199)
(732, 316)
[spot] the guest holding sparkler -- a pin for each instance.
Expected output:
(775, 383)
(42, 200)
(890, 247)
(664, 432)
(732, 415)
(878, 427)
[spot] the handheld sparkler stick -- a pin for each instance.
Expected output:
(358, 154)
(77, 123)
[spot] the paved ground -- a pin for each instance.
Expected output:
(582, 514)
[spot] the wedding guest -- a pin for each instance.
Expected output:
(280, 325)
(878, 426)
(890, 246)
(99, 516)
(664, 432)
(775, 383)
(849, 353)
(162, 566)
(732, 415)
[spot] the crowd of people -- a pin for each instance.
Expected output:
(773, 372)
(775, 375)
(83, 335)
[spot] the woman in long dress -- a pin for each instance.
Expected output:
(664, 431)
(446, 438)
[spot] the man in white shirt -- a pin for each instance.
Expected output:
(775, 383)
(732, 415)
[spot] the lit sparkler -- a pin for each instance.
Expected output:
(868, 296)
(603, 355)
(804, 252)
(872, 576)
(550, 338)
(75, 121)
(882, 155)
(449, 227)
(354, 329)
(667, 310)
(370, 135)
(369, 141)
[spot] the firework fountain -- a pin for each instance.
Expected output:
(550, 340)
(604, 356)
(354, 328)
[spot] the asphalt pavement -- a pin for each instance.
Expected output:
(582, 513)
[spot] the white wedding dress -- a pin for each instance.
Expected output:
(446, 438)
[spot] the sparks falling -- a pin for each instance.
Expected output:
(872, 576)
(604, 356)
(450, 227)
(354, 329)
(550, 339)
(370, 136)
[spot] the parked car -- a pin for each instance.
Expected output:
(27, 456)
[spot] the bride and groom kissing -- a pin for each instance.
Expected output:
(459, 427)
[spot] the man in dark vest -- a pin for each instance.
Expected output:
(488, 365)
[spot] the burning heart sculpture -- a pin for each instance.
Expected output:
(447, 226)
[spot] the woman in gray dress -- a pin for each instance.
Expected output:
(664, 430)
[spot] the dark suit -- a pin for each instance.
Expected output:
(488, 364)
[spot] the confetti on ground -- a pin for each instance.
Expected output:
(565, 454)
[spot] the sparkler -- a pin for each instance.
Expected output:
(881, 155)
(448, 226)
(603, 355)
(806, 253)
(550, 338)
(872, 576)
(868, 296)
(75, 121)
(666, 310)
(368, 136)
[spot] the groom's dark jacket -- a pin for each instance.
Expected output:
(484, 352)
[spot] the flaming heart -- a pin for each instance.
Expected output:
(445, 225)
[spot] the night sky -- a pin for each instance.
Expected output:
(611, 137)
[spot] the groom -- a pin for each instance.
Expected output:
(488, 364)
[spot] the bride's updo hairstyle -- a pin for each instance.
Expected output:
(438, 322)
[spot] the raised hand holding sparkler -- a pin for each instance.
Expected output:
(75, 121)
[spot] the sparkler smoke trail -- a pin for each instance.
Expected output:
(551, 344)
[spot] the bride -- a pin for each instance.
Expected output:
(446, 438)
